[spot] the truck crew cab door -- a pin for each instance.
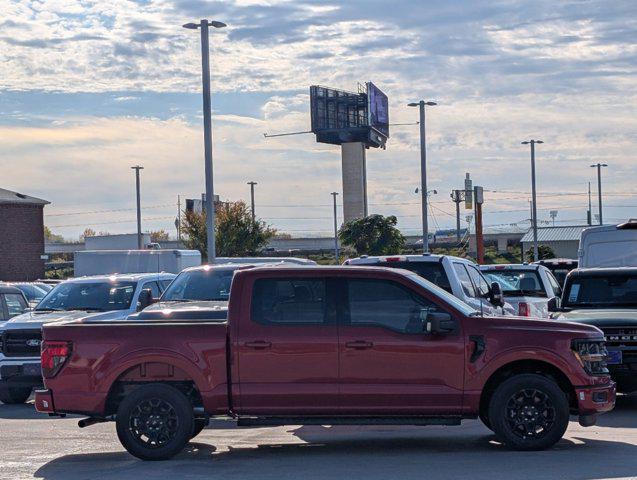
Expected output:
(287, 348)
(388, 365)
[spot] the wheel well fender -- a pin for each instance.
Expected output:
(526, 366)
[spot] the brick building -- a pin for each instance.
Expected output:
(21, 236)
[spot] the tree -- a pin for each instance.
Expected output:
(157, 236)
(88, 232)
(544, 252)
(49, 236)
(236, 234)
(372, 235)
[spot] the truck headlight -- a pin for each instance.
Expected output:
(591, 354)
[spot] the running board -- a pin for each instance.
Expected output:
(351, 420)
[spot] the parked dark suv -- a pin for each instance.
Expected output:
(606, 298)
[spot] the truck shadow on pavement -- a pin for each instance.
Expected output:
(394, 456)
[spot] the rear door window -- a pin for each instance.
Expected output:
(293, 301)
(15, 304)
(465, 280)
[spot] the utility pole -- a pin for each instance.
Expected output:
(140, 245)
(179, 217)
(589, 214)
(533, 195)
(457, 197)
(599, 188)
(423, 172)
(336, 255)
(207, 130)
(478, 194)
(252, 184)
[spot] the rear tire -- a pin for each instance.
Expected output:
(529, 412)
(155, 422)
(14, 395)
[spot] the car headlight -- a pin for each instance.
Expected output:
(591, 354)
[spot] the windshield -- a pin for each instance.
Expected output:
(205, 285)
(601, 292)
(31, 292)
(98, 296)
(517, 282)
(445, 296)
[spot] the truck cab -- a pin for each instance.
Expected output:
(103, 298)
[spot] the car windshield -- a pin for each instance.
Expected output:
(205, 285)
(517, 282)
(99, 296)
(618, 290)
(32, 292)
(445, 296)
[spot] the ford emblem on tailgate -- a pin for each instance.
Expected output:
(34, 342)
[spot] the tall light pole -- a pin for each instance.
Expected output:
(140, 243)
(599, 188)
(252, 184)
(423, 171)
(207, 130)
(533, 196)
(336, 256)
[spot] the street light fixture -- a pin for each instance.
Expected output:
(599, 187)
(207, 125)
(423, 171)
(534, 197)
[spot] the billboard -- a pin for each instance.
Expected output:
(378, 109)
(339, 116)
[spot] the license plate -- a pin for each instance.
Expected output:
(614, 357)
(32, 369)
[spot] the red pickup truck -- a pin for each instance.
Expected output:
(334, 345)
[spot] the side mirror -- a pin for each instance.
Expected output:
(437, 323)
(496, 297)
(553, 305)
(145, 299)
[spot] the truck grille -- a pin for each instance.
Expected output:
(21, 343)
(624, 339)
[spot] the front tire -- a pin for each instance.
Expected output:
(14, 395)
(155, 422)
(529, 412)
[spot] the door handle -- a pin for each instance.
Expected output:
(258, 344)
(359, 345)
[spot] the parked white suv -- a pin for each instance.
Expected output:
(528, 287)
(458, 276)
(103, 297)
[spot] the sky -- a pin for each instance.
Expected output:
(89, 88)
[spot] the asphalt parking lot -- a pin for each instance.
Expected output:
(35, 446)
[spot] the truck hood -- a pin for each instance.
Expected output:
(544, 325)
(31, 320)
(619, 317)
(195, 310)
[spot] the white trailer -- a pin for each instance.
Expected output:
(609, 246)
(103, 262)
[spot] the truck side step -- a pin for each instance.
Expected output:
(348, 420)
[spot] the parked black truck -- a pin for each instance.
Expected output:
(606, 298)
